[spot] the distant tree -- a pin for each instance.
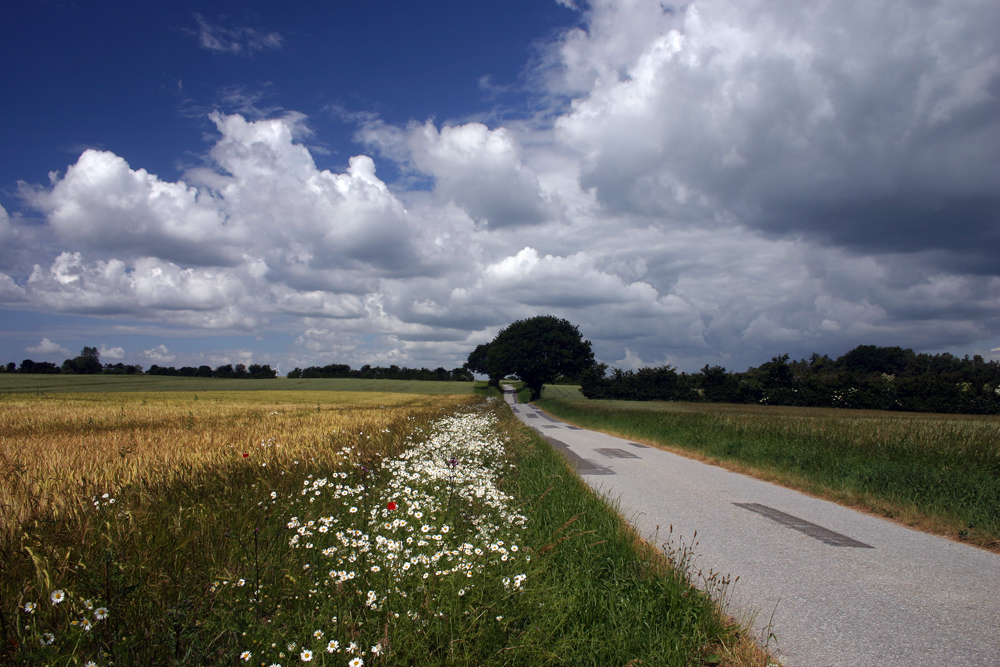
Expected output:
(538, 350)
(87, 363)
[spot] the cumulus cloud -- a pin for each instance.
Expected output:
(473, 166)
(239, 41)
(112, 353)
(49, 349)
(159, 355)
(715, 182)
(871, 125)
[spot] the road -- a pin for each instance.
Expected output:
(835, 587)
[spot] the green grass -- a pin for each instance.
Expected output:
(937, 472)
(178, 567)
(18, 383)
(561, 391)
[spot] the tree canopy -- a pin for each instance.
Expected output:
(537, 351)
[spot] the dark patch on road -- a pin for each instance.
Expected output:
(549, 426)
(820, 533)
(545, 416)
(532, 415)
(613, 453)
(636, 444)
(581, 465)
(574, 428)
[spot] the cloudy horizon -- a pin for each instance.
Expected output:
(713, 182)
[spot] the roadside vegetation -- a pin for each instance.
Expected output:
(341, 529)
(940, 473)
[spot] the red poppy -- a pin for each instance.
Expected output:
(392, 505)
(245, 455)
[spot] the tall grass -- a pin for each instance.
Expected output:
(298, 551)
(934, 471)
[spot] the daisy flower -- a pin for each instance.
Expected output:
(29, 607)
(245, 656)
(306, 655)
(333, 646)
(58, 596)
(356, 662)
(101, 613)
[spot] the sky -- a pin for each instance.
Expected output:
(714, 182)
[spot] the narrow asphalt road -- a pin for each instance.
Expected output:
(835, 587)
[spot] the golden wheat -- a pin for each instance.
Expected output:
(57, 452)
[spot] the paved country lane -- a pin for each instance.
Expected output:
(840, 588)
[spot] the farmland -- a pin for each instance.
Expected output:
(341, 528)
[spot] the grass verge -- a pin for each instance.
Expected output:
(939, 473)
(433, 540)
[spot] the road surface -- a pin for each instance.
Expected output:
(835, 587)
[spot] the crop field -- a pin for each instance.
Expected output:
(28, 383)
(335, 528)
(940, 473)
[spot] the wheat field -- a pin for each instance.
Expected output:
(60, 453)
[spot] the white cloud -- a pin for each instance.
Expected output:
(48, 348)
(240, 41)
(112, 353)
(479, 169)
(159, 355)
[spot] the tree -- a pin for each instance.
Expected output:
(88, 363)
(479, 363)
(538, 350)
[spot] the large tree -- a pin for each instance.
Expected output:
(538, 350)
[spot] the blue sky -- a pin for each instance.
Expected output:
(711, 182)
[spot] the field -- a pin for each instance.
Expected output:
(940, 473)
(274, 528)
(18, 383)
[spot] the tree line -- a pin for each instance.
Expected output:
(867, 377)
(393, 372)
(88, 362)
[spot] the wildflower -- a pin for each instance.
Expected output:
(245, 455)
(356, 662)
(29, 607)
(318, 634)
(333, 646)
(90, 663)
(58, 596)
(306, 655)
(101, 613)
(47, 639)
(392, 505)
(88, 604)
(245, 656)
(377, 649)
